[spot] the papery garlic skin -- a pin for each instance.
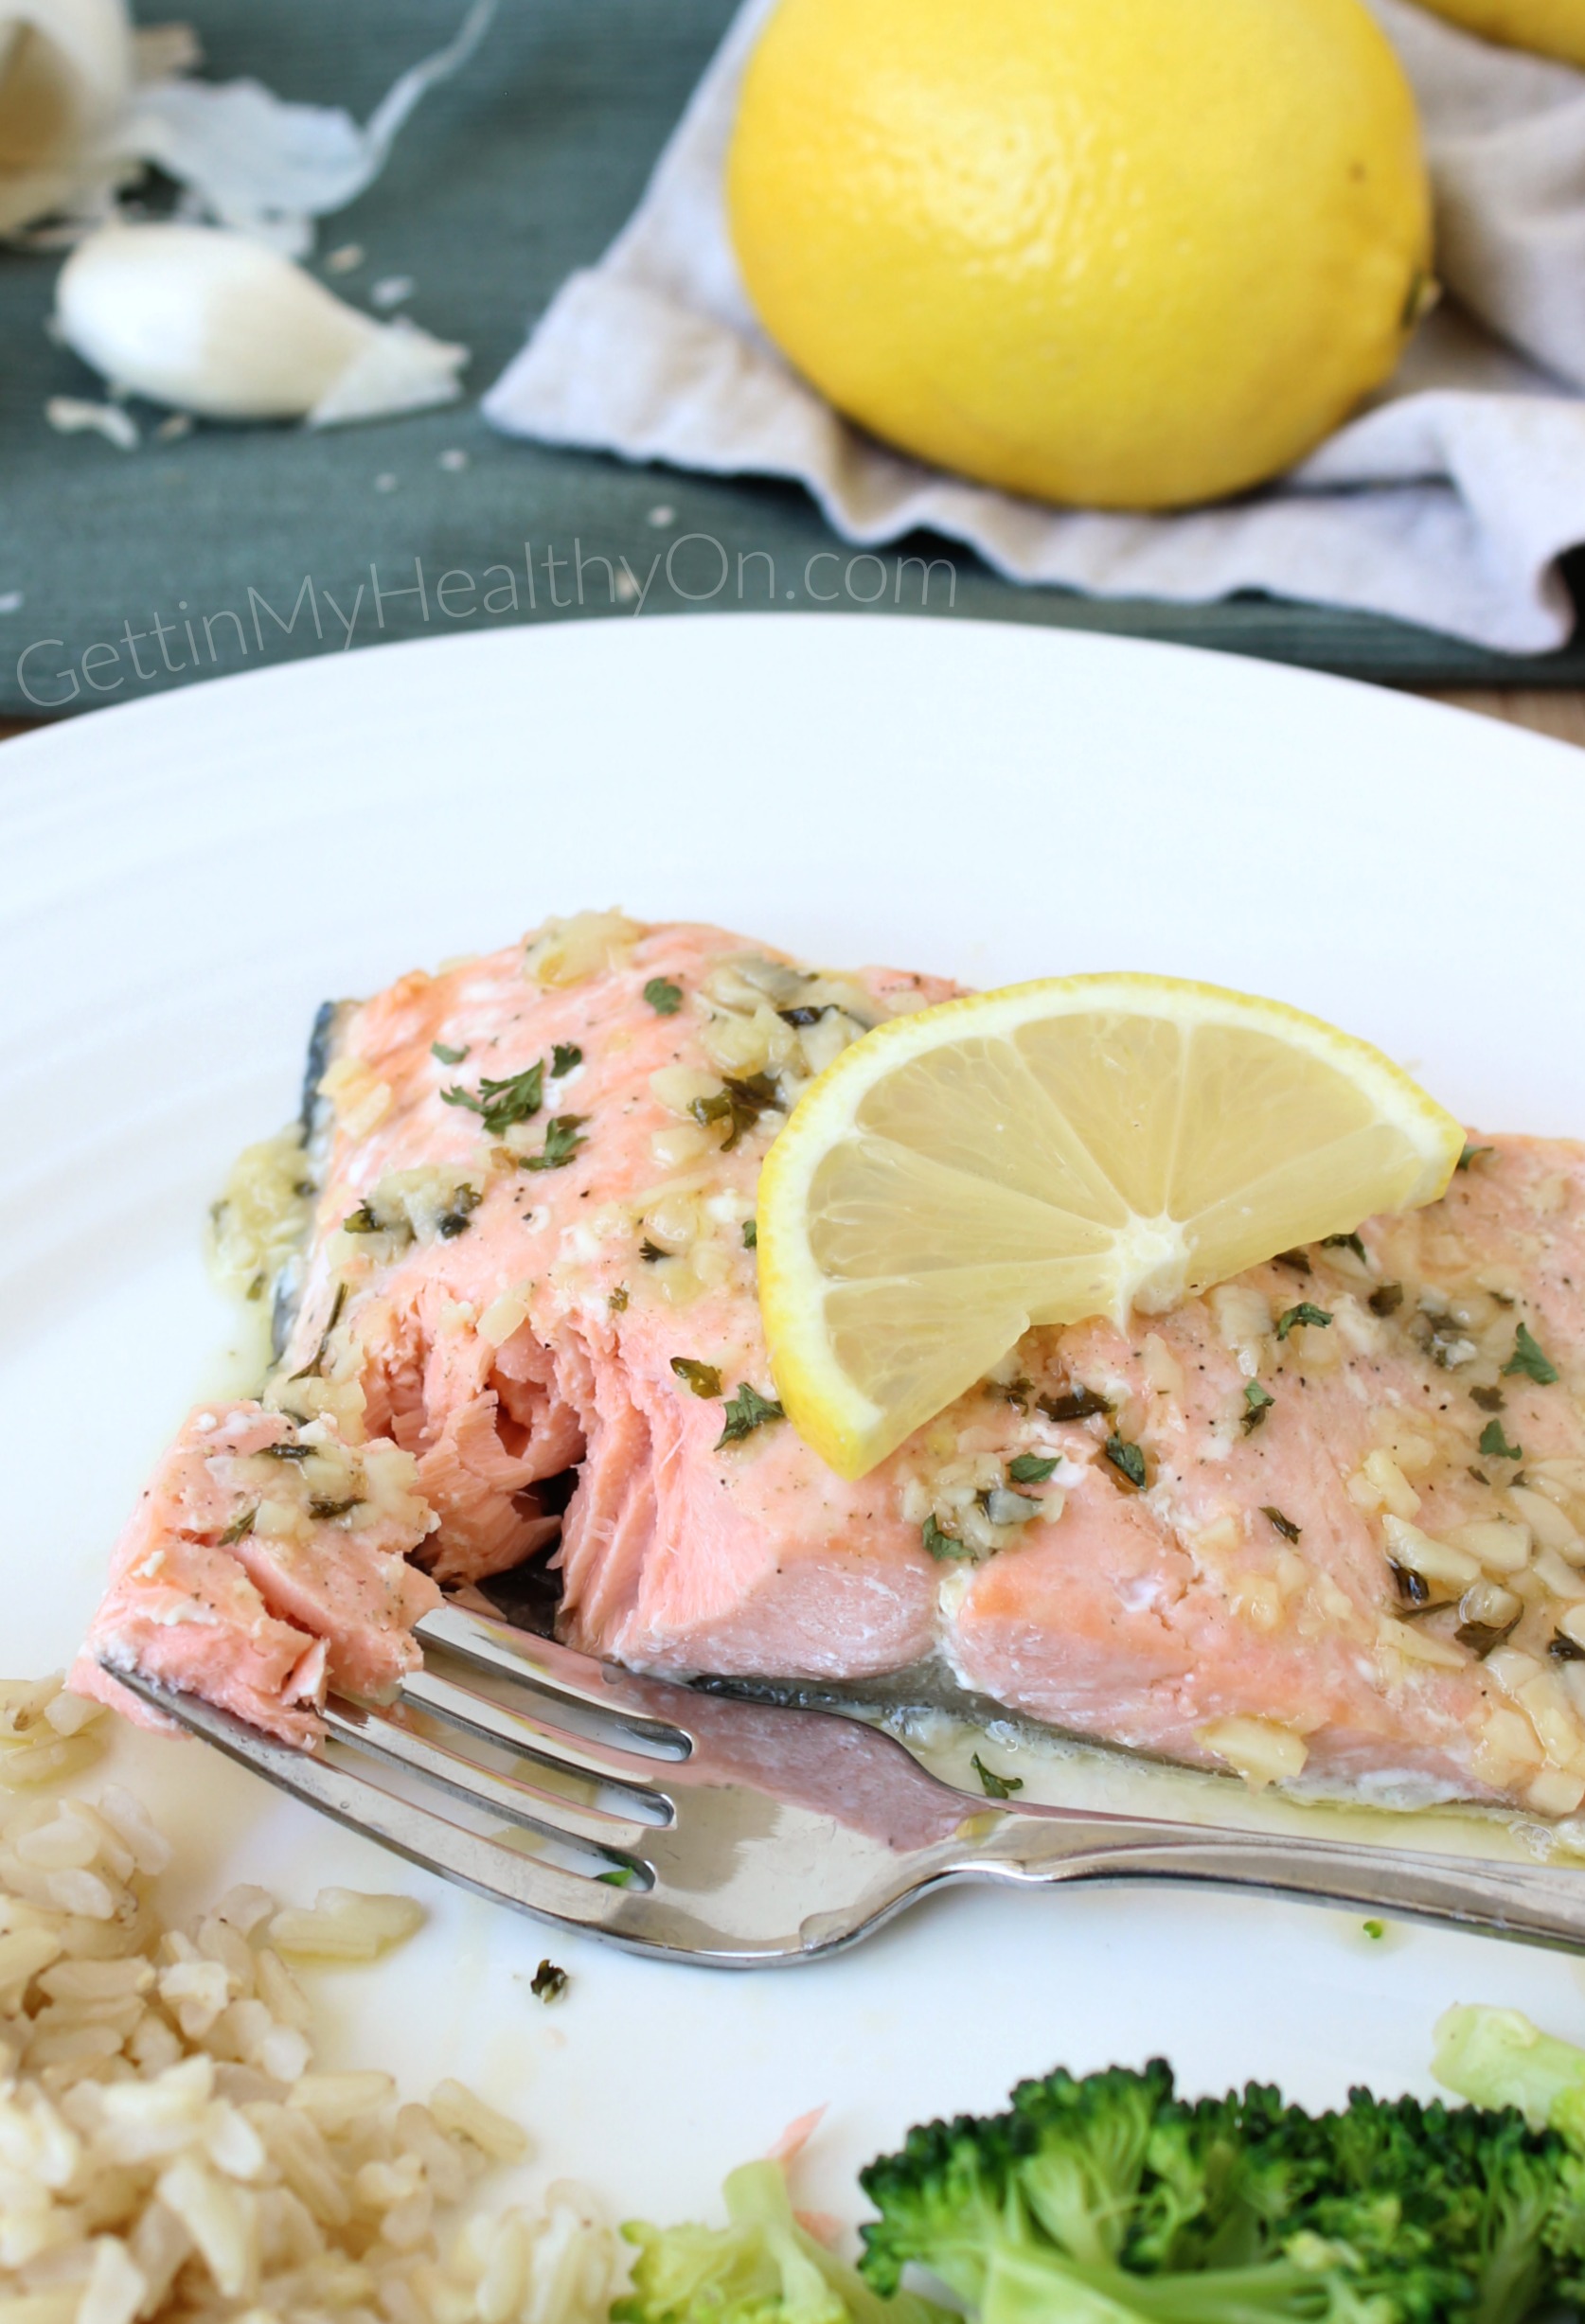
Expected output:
(67, 73)
(87, 99)
(270, 167)
(211, 322)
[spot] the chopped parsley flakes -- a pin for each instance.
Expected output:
(1473, 1154)
(738, 1103)
(1527, 1358)
(751, 1235)
(1285, 1526)
(664, 997)
(499, 1104)
(1074, 1403)
(1386, 1299)
(1306, 1312)
(994, 1785)
(1031, 1468)
(239, 1528)
(938, 1541)
(447, 1057)
(561, 1141)
(564, 1058)
(745, 1411)
(703, 1380)
(1343, 1242)
(452, 1221)
(548, 1982)
(1127, 1459)
(1495, 1445)
(1259, 1402)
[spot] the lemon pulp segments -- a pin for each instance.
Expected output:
(1076, 1147)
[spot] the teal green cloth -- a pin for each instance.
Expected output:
(190, 558)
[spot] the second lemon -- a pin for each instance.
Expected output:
(1125, 253)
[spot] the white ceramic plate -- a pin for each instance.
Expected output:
(182, 879)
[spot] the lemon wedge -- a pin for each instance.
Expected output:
(1080, 1147)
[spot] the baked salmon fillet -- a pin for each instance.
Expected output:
(1325, 1525)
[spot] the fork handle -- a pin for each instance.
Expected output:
(1535, 1903)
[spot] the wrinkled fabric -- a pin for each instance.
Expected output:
(1448, 501)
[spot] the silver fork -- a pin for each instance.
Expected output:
(742, 1833)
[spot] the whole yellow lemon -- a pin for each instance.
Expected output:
(1124, 253)
(1554, 27)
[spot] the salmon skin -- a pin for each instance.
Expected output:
(1345, 1555)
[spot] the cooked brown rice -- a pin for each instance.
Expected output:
(167, 2149)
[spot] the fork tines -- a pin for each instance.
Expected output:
(574, 1839)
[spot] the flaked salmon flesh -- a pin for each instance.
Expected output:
(1348, 1552)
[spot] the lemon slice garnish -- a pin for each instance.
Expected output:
(1080, 1147)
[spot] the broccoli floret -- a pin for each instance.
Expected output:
(1110, 2200)
(1499, 2059)
(946, 2201)
(761, 2269)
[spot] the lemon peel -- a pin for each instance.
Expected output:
(1126, 254)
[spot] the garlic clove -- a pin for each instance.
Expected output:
(211, 322)
(204, 320)
(87, 102)
(400, 370)
(66, 69)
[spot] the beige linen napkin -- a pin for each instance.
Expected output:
(1447, 501)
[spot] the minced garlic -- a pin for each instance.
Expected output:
(1243, 1319)
(505, 1316)
(261, 1217)
(361, 1100)
(1256, 1598)
(1379, 1483)
(1160, 1366)
(1435, 1561)
(679, 1088)
(1555, 1793)
(565, 951)
(1258, 1750)
(1551, 1527)
(1500, 1546)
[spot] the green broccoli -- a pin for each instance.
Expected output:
(762, 2268)
(1110, 2200)
(1499, 2059)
